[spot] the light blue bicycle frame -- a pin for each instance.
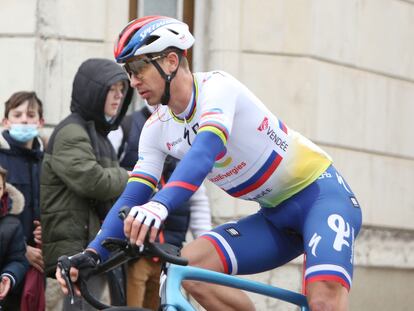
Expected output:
(175, 301)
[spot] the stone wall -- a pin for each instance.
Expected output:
(44, 42)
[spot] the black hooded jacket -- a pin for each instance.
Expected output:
(81, 177)
(90, 86)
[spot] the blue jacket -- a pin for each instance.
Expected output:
(23, 167)
(13, 262)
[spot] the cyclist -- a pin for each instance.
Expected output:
(222, 132)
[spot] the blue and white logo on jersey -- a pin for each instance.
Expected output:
(233, 232)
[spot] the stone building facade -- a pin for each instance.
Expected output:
(340, 72)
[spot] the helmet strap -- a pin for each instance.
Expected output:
(168, 78)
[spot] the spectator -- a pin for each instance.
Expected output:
(21, 152)
(143, 274)
(13, 262)
(81, 176)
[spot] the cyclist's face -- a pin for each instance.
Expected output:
(146, 79)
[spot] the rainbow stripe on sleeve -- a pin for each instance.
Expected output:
(211, 121)
(216, 128)
(144, 178)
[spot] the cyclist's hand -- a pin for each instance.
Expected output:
(71, 266)
(141, 218)
(63, 283)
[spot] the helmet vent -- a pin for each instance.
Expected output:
(173, 31)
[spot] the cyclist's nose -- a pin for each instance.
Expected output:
(136, 79)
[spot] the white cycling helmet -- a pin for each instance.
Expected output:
(151, 34)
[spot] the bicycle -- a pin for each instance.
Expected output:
(174, 272)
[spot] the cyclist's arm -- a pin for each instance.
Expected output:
(191, 171)
(135, 193)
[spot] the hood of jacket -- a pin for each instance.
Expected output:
(90, 87)
(12, 201)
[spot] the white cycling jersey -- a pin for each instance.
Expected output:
(263, 160)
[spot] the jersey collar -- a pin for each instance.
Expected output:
(188, 114)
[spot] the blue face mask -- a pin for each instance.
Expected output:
(23, 132)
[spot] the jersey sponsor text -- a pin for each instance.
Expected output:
(234, 171)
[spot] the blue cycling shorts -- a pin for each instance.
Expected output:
(321, 221)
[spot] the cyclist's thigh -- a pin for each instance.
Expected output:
(253, 245)
(331, 226)
(201, 253)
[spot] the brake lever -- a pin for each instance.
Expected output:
(64, 265)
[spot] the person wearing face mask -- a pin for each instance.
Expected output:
(81, 177)
(21, 153)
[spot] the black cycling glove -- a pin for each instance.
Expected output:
(86, 259)
(82, 261)
(85, 262)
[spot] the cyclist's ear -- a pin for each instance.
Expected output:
(173, 61)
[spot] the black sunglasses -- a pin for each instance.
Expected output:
(137, 66)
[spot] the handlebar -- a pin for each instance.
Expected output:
(122, 252)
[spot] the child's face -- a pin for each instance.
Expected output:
(1, 186)
(114, 99)
(23, 114)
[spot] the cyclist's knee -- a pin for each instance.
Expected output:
(320, 305)
(327, 296)
(195, 288)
